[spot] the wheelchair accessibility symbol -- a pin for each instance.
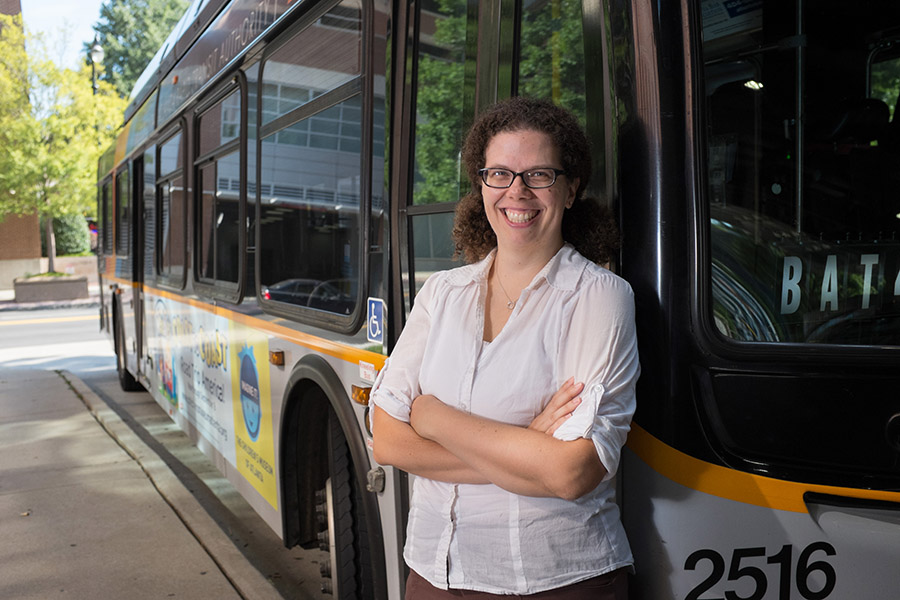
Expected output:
(375, 320)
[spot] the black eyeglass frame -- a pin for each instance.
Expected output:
(556, 173)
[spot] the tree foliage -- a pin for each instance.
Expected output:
(552, 57)
(886, 82)
(72, 234)
(551, 66)
(52, 129)
(439, 108)
(17, 123)
(131, 31)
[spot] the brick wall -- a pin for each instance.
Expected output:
(20, 237)
(10, 7)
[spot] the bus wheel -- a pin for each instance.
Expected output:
(126, 380)
(347, 574)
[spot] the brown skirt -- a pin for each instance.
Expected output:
(611, 586)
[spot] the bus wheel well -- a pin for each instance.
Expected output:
(304, 460)
(316, 413)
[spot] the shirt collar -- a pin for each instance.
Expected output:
(563, 271)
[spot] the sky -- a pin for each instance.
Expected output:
(66, 24)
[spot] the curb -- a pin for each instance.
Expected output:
(247, 580)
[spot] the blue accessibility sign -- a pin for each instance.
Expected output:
(375, 321)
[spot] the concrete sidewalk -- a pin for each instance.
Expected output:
(87, 510)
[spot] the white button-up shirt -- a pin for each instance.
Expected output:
(574, 319)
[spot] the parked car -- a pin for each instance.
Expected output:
(335, 295)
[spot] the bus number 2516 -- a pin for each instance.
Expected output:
(808, 572)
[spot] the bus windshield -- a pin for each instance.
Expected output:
(802, 139)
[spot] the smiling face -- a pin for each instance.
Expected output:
(525, 219)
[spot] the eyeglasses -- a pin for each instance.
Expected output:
(534, 178)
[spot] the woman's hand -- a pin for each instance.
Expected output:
(559, 409)
(397, 443)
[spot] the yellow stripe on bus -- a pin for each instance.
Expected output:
(731, 484)
(123, 282)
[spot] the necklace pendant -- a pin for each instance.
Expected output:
(511, 304)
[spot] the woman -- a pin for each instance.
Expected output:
(511, 390)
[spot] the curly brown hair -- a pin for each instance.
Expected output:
(588, 226)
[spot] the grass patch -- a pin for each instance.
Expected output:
(48, 274)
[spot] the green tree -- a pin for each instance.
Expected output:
(52, 130)
(552, 57)
(439, 107)
(131, 31)
(886, 82)
(71, 233)
(17, 123)
(551, 65)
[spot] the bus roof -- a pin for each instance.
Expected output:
(192, 23)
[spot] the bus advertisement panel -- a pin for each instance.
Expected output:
(214, 374)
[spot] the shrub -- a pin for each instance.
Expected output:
(71, 232)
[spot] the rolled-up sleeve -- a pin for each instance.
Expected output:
(397, 385)
(600, 349)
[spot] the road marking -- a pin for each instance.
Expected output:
(50, 320)
(51, 350)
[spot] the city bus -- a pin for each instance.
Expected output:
(285, 181)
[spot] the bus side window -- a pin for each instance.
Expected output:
(219, 193)
(551, 56)
(312, 166)
(432, 245)
(171, 205)
(123, 214)
(148, 217)
(443, 104)
(105, 212)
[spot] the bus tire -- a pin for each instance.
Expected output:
(343, 526)
(126, 380)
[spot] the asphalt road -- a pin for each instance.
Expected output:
(69, 339)
(55, 339)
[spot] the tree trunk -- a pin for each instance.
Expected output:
(51, 245)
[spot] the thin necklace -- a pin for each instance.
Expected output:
(511, 304)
